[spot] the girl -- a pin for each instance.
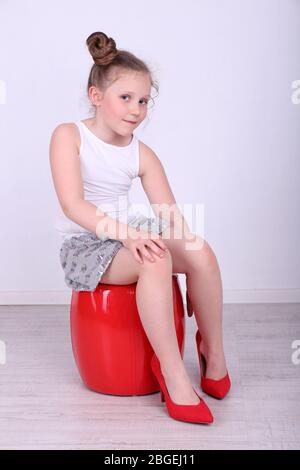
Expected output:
(93, 163)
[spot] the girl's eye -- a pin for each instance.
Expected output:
(125, 96)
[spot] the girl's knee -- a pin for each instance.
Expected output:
(202, 255)
(163, 264)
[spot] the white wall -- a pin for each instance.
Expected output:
(224, 126)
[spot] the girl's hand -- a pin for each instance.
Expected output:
(144, 244)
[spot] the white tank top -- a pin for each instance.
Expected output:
(107, 172)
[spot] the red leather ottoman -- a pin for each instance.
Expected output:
(110, 346)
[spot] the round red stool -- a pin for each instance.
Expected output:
(110, 346)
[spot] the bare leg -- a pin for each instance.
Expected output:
(154, 298)
(204, 286)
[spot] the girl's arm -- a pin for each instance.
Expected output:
(65, 168)
(158, 190)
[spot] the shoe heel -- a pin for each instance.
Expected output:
(215, 388)
(199, 413)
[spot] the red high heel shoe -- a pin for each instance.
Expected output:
(215, 388)
(199, 413)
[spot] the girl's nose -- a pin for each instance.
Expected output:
(134, 110)
(134, 113)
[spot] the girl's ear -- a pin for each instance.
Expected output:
(95, 96)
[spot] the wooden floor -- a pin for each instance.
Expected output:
(44, 405)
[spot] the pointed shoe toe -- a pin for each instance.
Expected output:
(199, 413)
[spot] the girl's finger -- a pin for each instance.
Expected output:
(147, 254)
(138, 257)
(161, 244)
(156, 248)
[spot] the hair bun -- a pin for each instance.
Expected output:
(102, 48)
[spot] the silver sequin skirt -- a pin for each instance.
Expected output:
(86, 257)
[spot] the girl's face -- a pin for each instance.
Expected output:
(124, 104)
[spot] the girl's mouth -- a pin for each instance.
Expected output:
(130, 122)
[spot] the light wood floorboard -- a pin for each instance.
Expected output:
(44, 404)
